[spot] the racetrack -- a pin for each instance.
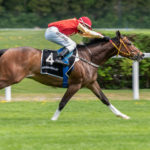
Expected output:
(83, 125)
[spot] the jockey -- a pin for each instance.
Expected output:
(59, 32)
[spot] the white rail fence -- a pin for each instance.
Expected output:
(8, 94)
(135, 80)
(135, 77)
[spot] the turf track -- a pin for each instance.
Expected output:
(83, 125)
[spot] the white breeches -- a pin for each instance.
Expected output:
(53, 34)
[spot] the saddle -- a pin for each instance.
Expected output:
(48, 65)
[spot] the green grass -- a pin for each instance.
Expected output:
(35, 38)
(123, 31)
(32, 38)
(83, 125)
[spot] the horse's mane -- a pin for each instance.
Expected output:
(96, 41)
(92, 41)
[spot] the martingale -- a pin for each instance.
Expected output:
(48, 65)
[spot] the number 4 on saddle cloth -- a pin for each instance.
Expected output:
(48, 65)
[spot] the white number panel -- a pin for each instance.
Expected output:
(50, 59)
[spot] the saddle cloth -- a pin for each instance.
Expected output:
(48, 65)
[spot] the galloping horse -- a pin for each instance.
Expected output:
(21, 62)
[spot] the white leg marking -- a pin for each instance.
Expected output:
(56, 115)
(117, 112)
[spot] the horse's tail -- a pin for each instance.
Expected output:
(2, 51)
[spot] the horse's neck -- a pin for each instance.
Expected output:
(101, 53)
(97, 53)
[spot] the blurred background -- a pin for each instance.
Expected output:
(104, 13)
(85, 123)
(23, 23)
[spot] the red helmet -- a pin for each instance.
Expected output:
(85, 21)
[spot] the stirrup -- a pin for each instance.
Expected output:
(63, 53)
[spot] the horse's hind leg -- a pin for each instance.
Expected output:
(9, 81)
(9, 77)
(72, 89)
(98, 92)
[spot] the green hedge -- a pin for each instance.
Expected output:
(104, 13)
(30, 20)
(117, 73)
(23, 20)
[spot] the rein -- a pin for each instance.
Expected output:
(86, 61)
(119, 48)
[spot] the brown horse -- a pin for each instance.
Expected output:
(21, 62)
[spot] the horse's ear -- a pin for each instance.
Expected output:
(118, 34)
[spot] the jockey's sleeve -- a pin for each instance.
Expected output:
(88, 33)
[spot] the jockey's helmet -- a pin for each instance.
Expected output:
(86, 22)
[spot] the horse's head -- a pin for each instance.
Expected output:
(126, 48)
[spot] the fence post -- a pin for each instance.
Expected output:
(135, 79)
(8, 93)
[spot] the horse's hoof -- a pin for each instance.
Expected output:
(124, 117)
(56, 115)
(53, 119)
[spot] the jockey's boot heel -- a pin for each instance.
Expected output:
(60, 56)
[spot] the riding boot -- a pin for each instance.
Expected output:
(60, 56)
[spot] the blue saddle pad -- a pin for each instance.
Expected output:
(48, 65)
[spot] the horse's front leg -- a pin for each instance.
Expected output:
(72, 89)
(98, 92)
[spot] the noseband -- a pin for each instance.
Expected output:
(128, 53)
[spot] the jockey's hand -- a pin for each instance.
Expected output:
(106, 38)
(80, 32)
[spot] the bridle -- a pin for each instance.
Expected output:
(118, 49)
(120, 46)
